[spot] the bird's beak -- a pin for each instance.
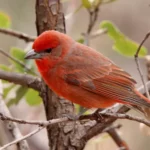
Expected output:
(32, 55)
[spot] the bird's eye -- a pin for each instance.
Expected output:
(48, 50)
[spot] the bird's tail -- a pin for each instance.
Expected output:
(145, 105)
(143, 101)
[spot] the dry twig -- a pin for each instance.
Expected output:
(138, 64)
(118, 140)
(17, 34)
(22, 138)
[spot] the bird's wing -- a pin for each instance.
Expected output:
(96, 73)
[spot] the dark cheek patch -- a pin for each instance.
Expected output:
(57, 51)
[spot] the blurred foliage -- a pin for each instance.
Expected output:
(122, 44)
(31, 96)
(20, 93)
(4, 20)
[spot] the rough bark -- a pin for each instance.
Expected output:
(49, 16)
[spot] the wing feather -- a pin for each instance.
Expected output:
(96, 73)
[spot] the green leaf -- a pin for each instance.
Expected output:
(122, 44)
(33, 98)
(4, 20)
(4, 67)
(18, 54)
(128, 48)
(7, 90)
(112, 30)
(86, 3)
(21, 91)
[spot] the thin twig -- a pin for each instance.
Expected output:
(17, 61)
(138, 64)
(22, 138)
(17, 34)
(93, 14)
(125, 116)
(141, 44)
(95, 34)
(118, 126)
(40, 123)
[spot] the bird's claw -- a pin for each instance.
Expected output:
(98, 116)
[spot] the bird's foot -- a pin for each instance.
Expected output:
(98, 116)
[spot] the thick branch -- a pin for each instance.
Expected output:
(49, 16)
(21, 79)
(118, 140)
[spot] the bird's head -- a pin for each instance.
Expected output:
(43, 45)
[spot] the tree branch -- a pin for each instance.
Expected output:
(17, 34)
(39, 123)
(118, 140)
(21, 79)
(22, 138)
(11, 126)
(93, 14)
(125, 116)
(138, 64)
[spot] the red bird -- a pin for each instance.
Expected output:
(81, 74)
